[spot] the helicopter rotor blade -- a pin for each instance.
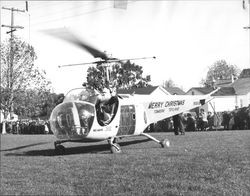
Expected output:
(111, 60)
(120, 60)
(64, 34)
(78, 64)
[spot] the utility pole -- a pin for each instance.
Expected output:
(12, 28)
(247, 27)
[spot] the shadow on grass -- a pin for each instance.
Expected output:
(99, 149)
(25, 146)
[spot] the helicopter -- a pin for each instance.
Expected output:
(86, 115)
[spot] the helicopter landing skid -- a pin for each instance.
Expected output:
(114, 147)
(164, 143)
(60, 149)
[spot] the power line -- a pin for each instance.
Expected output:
(65, 10)
(76, 15)
(61, 11)
(72, 7)
(247, 27)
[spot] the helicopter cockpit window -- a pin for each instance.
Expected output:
(86, 114)
(81, 94)
(62, 119)
(72, 118)
(106, 110)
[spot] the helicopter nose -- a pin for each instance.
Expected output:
(62, 119)
(72, 119)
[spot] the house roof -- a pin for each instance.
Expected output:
(223, 82)
(203, 90)
(139, 91)
(148, 90)
(245, 73)
(174, 90)
(242, 84)
(224, 91)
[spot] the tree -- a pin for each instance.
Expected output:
(125, 75)
(51, 101)
(22, 82)
(33, 103)
(169, 83)
(220, 70)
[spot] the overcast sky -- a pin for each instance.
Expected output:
(185, 36)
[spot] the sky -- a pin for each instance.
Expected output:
(185, 36)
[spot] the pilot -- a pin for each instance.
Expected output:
(107, 102)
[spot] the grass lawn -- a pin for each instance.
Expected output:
(199, 163)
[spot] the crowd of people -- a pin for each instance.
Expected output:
(26, 127)
(238, 119)
(192, 122)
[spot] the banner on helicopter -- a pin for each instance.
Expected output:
(159, 110)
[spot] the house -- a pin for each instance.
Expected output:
(242, 88)
(200, 91)
(155, 91)
(8, 117)
(174, 90)
(230, 95)
(239, 95)
(223, 100)
(223, 82)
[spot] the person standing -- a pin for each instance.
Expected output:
(210, 121)
(46, 128)
(178, 122)
(182, 124)
(225, 120)
(190, 123)
(203, 117)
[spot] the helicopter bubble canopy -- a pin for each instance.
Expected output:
(70, 119)
(81, 94)
(75, 115)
